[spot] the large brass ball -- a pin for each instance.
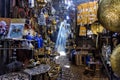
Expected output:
(115, 60)
(109, 14)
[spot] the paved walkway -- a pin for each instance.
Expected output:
(74, 72)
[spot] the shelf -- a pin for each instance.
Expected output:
(15, 48)
(82, 48)
(85, 48)
(9, 49)
(17, 40)
(106, 37)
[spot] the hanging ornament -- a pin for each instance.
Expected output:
(31, 3)
(41, 19)
(53, 10)
(97, 28)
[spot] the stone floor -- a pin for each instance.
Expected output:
(74, 72)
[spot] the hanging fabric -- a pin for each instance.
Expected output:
(15, 12)
(21, 3)
(13, 2)
(21, 13)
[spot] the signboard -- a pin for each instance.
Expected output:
(82, 31)
(87, 13)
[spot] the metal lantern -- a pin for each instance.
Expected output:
(97, 28)
(31, 3)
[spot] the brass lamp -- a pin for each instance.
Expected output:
(41, 3)
(97, 28)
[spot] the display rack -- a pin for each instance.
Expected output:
(107, 39)
(9, 48)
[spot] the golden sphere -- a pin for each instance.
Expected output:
(115, 60)
(109, 14)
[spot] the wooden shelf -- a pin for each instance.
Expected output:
(8, 48)
(85, 48)
(15, 48)
(106, 37)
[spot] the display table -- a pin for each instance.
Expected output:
(94, 65)
(14, 76)
(80, 58)
(37, 71)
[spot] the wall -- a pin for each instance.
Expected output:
(4, 8)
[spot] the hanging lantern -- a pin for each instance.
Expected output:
(41, 3)
(31, 3)
(96, 28)
(48, 0)
(53, 22)
(41, 19)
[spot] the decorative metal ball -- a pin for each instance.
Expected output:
(115, 60)
(109, 14)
